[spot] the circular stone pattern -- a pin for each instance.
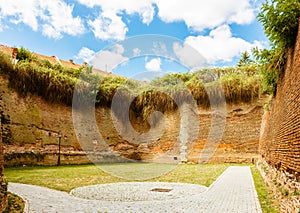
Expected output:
(137, 191)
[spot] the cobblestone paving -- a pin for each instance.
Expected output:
(233, 191)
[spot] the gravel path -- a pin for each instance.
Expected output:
(233, 191)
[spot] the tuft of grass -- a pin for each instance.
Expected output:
(266, 198)
(15, 204)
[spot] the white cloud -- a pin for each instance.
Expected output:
(188, 56)
(60, 19)
(197, 15)
(200, 15)
(107, 60)
(55, 17)
(220, 45)
(153, 65)
(160, 48)
(143, 8)
(20, 11)
(108, 26)
(118, 48)
(136, 52)
(85, 54)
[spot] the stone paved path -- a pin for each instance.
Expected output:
(233, 191)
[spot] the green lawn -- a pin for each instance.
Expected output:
(65, 178)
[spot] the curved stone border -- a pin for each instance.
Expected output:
(26, 203)
(138, 191)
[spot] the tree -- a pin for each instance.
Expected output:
(245, 60)
(280, 19)
(23, 55)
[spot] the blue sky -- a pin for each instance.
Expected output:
(218, 30)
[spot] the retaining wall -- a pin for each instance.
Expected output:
(280, 133)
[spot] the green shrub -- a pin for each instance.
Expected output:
(5, 63)
(280, 19)
(24, 55)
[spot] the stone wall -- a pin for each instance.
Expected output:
(280, 133)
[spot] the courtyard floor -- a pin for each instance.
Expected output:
(233, 191)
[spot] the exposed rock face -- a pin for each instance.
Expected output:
(280, 132)
(31, 125)
(127, 150)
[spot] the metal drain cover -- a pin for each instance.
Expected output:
(160, 190)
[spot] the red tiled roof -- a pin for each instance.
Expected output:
(54, 60)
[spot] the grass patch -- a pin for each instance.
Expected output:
(203, 174)
(265, 196)
(15, 204)
(65, 178)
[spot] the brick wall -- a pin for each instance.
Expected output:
(280, 136)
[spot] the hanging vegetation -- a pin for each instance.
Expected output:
(56, 84)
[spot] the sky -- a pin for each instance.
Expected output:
(135, 37)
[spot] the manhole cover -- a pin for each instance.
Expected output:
(160, 190)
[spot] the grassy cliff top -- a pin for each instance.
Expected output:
(56, 83)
